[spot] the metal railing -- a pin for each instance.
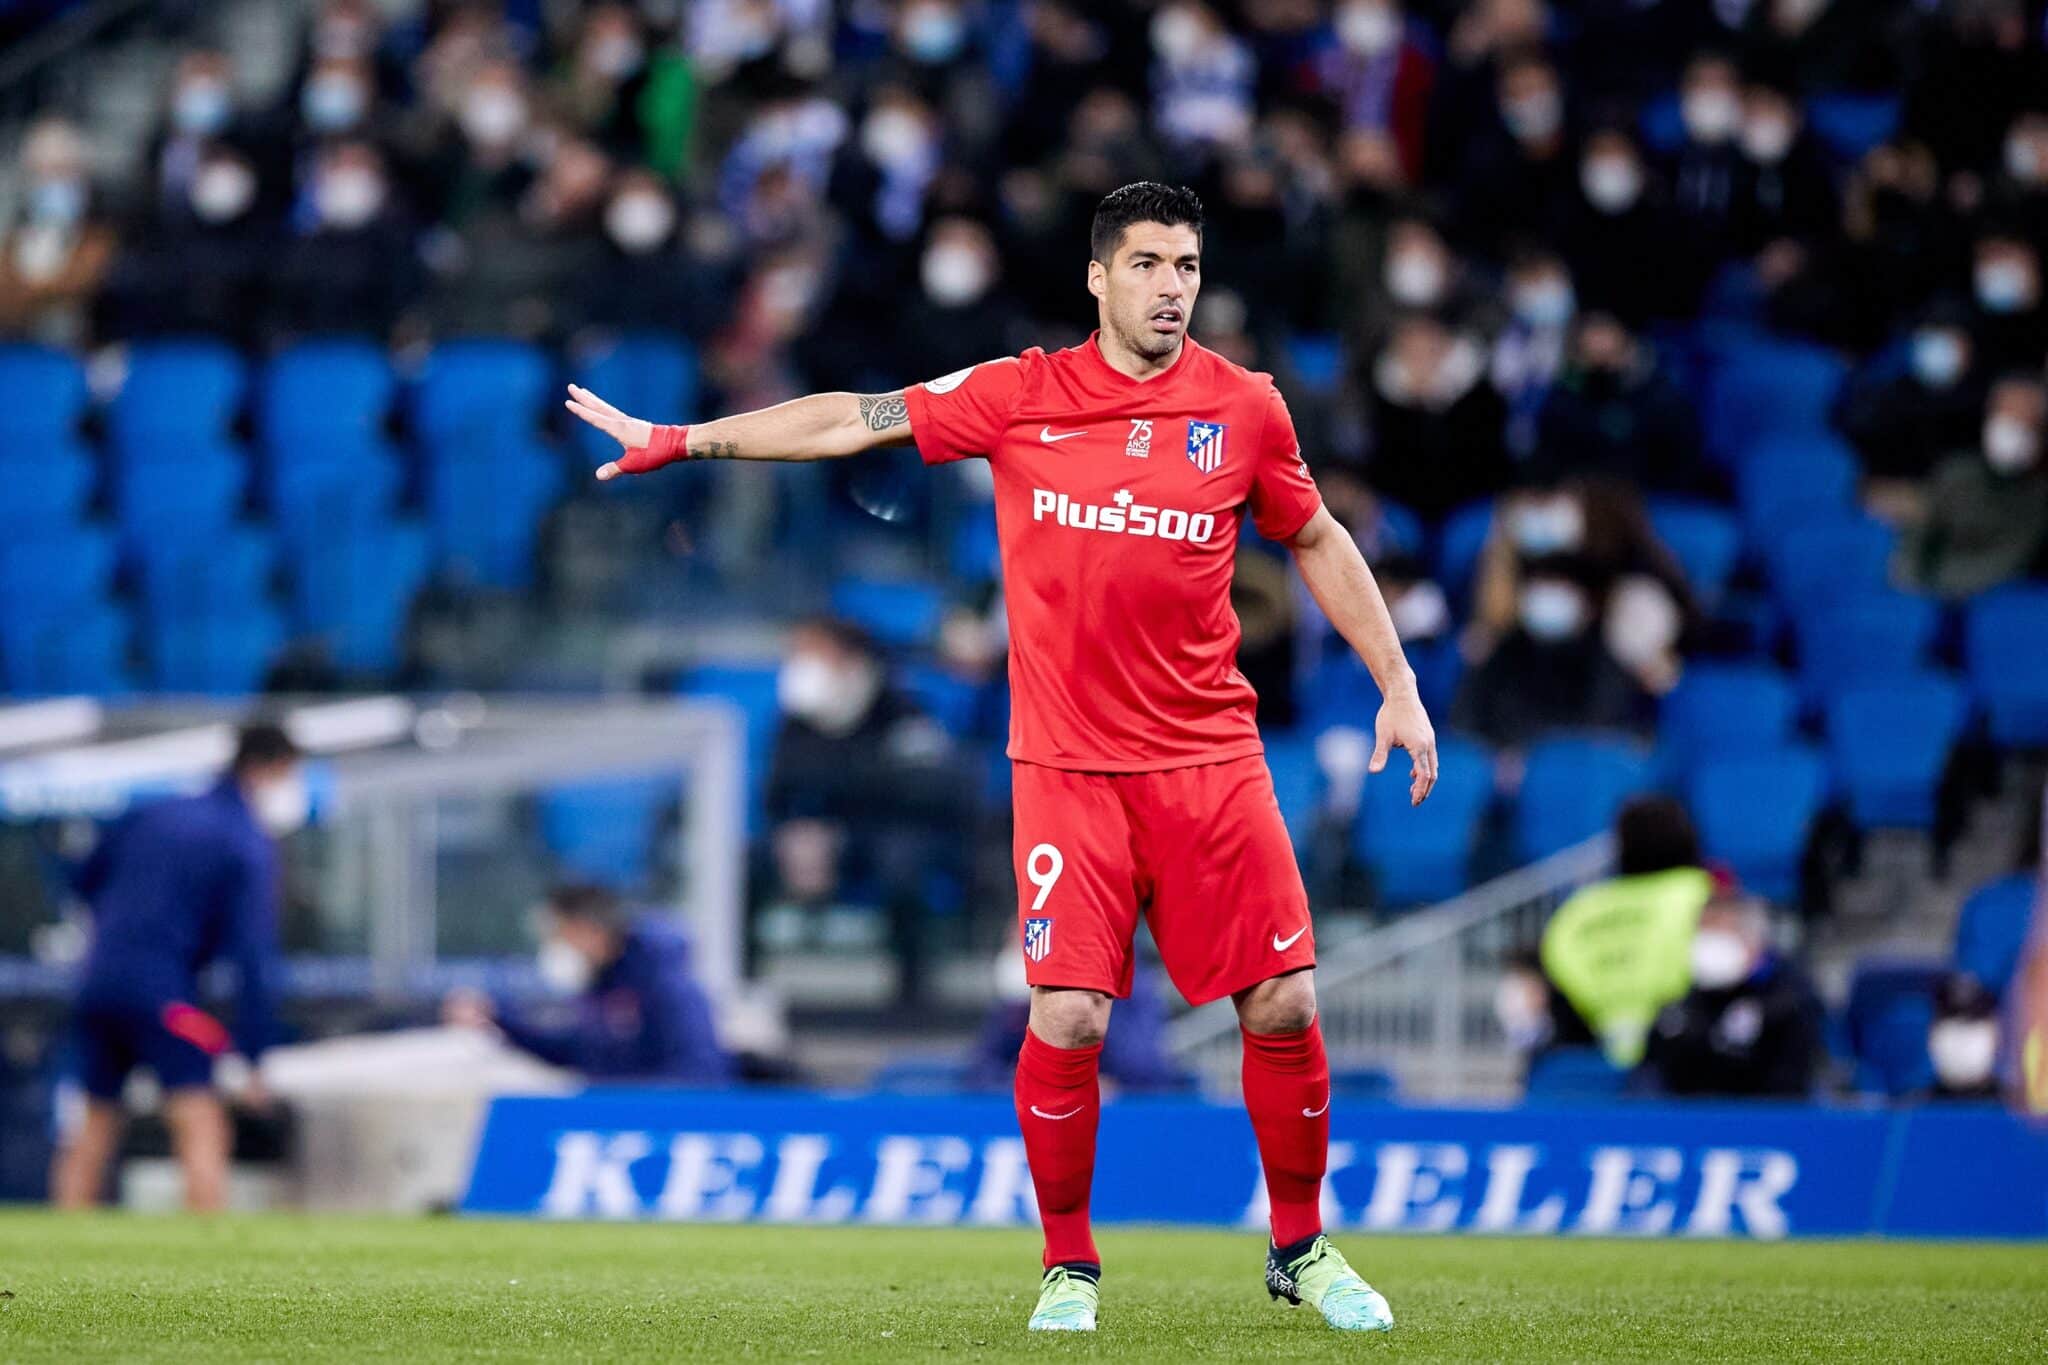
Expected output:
(1415, 997)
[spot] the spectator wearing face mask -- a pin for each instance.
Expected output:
(1517, 179)
(1975, 61)
(198, 113)
(203, 270)
(1619, 233)
(518, 274)
(1709, 173)
(1750, 1026)
(1962, 1042)
(1913, 403)
(2012, 315)
(862, 788)
(1616, 952)
(1899, 243)
(480, 172)
(1650, 607)
(353, 267)
(1203, 79)
(1987, 510)
(1529, 350)
(626, 1006)
(1436, 423)
(1533, 1015)
(649, 280)
(1616, 413)
(1788, 193)
(959, 316)
(55, 255)
(338, 99)
(1552, 671)
(2019, 190)
(1374, 66)
(597, 91)
(1413, 270)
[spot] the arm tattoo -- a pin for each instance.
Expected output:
(719, 450)
(883, 411)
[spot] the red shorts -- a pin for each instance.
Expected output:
(1201, 851)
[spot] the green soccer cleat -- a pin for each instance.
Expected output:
(1320, 1276)
(1066, 1302)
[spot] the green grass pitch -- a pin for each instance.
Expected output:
(301, 1289)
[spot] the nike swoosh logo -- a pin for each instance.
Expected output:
(1052, 438)
(1281, 945)
(1078, 1108)
(1316, 1113)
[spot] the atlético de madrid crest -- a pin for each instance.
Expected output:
(1037, 938)
(1205, 446)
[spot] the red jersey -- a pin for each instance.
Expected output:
(1118, 503)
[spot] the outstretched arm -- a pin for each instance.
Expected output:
(824, 426)
(1343, 587)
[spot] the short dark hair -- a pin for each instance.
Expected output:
(1654, 834)
(261, 744)
(589, 902)
(1144, 201)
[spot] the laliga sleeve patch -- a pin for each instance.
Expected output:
(946, 383)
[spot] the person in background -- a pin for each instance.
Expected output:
(1534, 1015)
(1986, 519)
(1709, 174)
(201, 271)
(635, 1013)
(1138, 1061)
(1552, 671)
(1901, 419)
(1615, 412)
(1619, 236)
(1529, 351)
(1437, 423)
(862, 784)
(1962, 1042)
(173, 887)
(2012, 304)
(353, 268)
(1617, 952)
(55, 256)
(1750, 1025)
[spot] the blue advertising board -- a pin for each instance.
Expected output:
(1764, 1171)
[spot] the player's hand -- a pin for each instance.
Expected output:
(1403, 724)
(630, 432)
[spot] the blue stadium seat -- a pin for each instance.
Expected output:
(47, 487)
(1890, 742)
(955, 703)
(750, 687)
(163, 503)
(485, 510)
(916, 1074)
(1719, 709)
(176, 393)
(1458, 545)
(49, 575)
(1439, 669)
(605, 831)
(1885, 1022)
(1705, 540)
(84, 651)
(647, 374)
(1755, 812)
(1363, 1084)
(42, 395)
(1820, 561)
(1317, 359)
(1297, 781)
(1792, 479)
(228, 573)
(1991, 932)
(1768, 387)
(2007, 665)
(903, 613)
(977, 556)
(215, 655)
(1424, 853)
(356, 592)
(1402, 527)
(1571, 788)
(324, 394)
(1867, 638)
(474, 393)
(1852, 124)
(1574, 1073)
(324, 499)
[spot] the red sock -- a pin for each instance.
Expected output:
(1287, 1094)
(1057, 1107)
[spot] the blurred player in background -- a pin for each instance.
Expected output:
(175, 886)
(1123, 469)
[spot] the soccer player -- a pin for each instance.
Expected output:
(1123, 468)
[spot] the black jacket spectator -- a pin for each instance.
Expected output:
(1760, 1037)
(1616, 414)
